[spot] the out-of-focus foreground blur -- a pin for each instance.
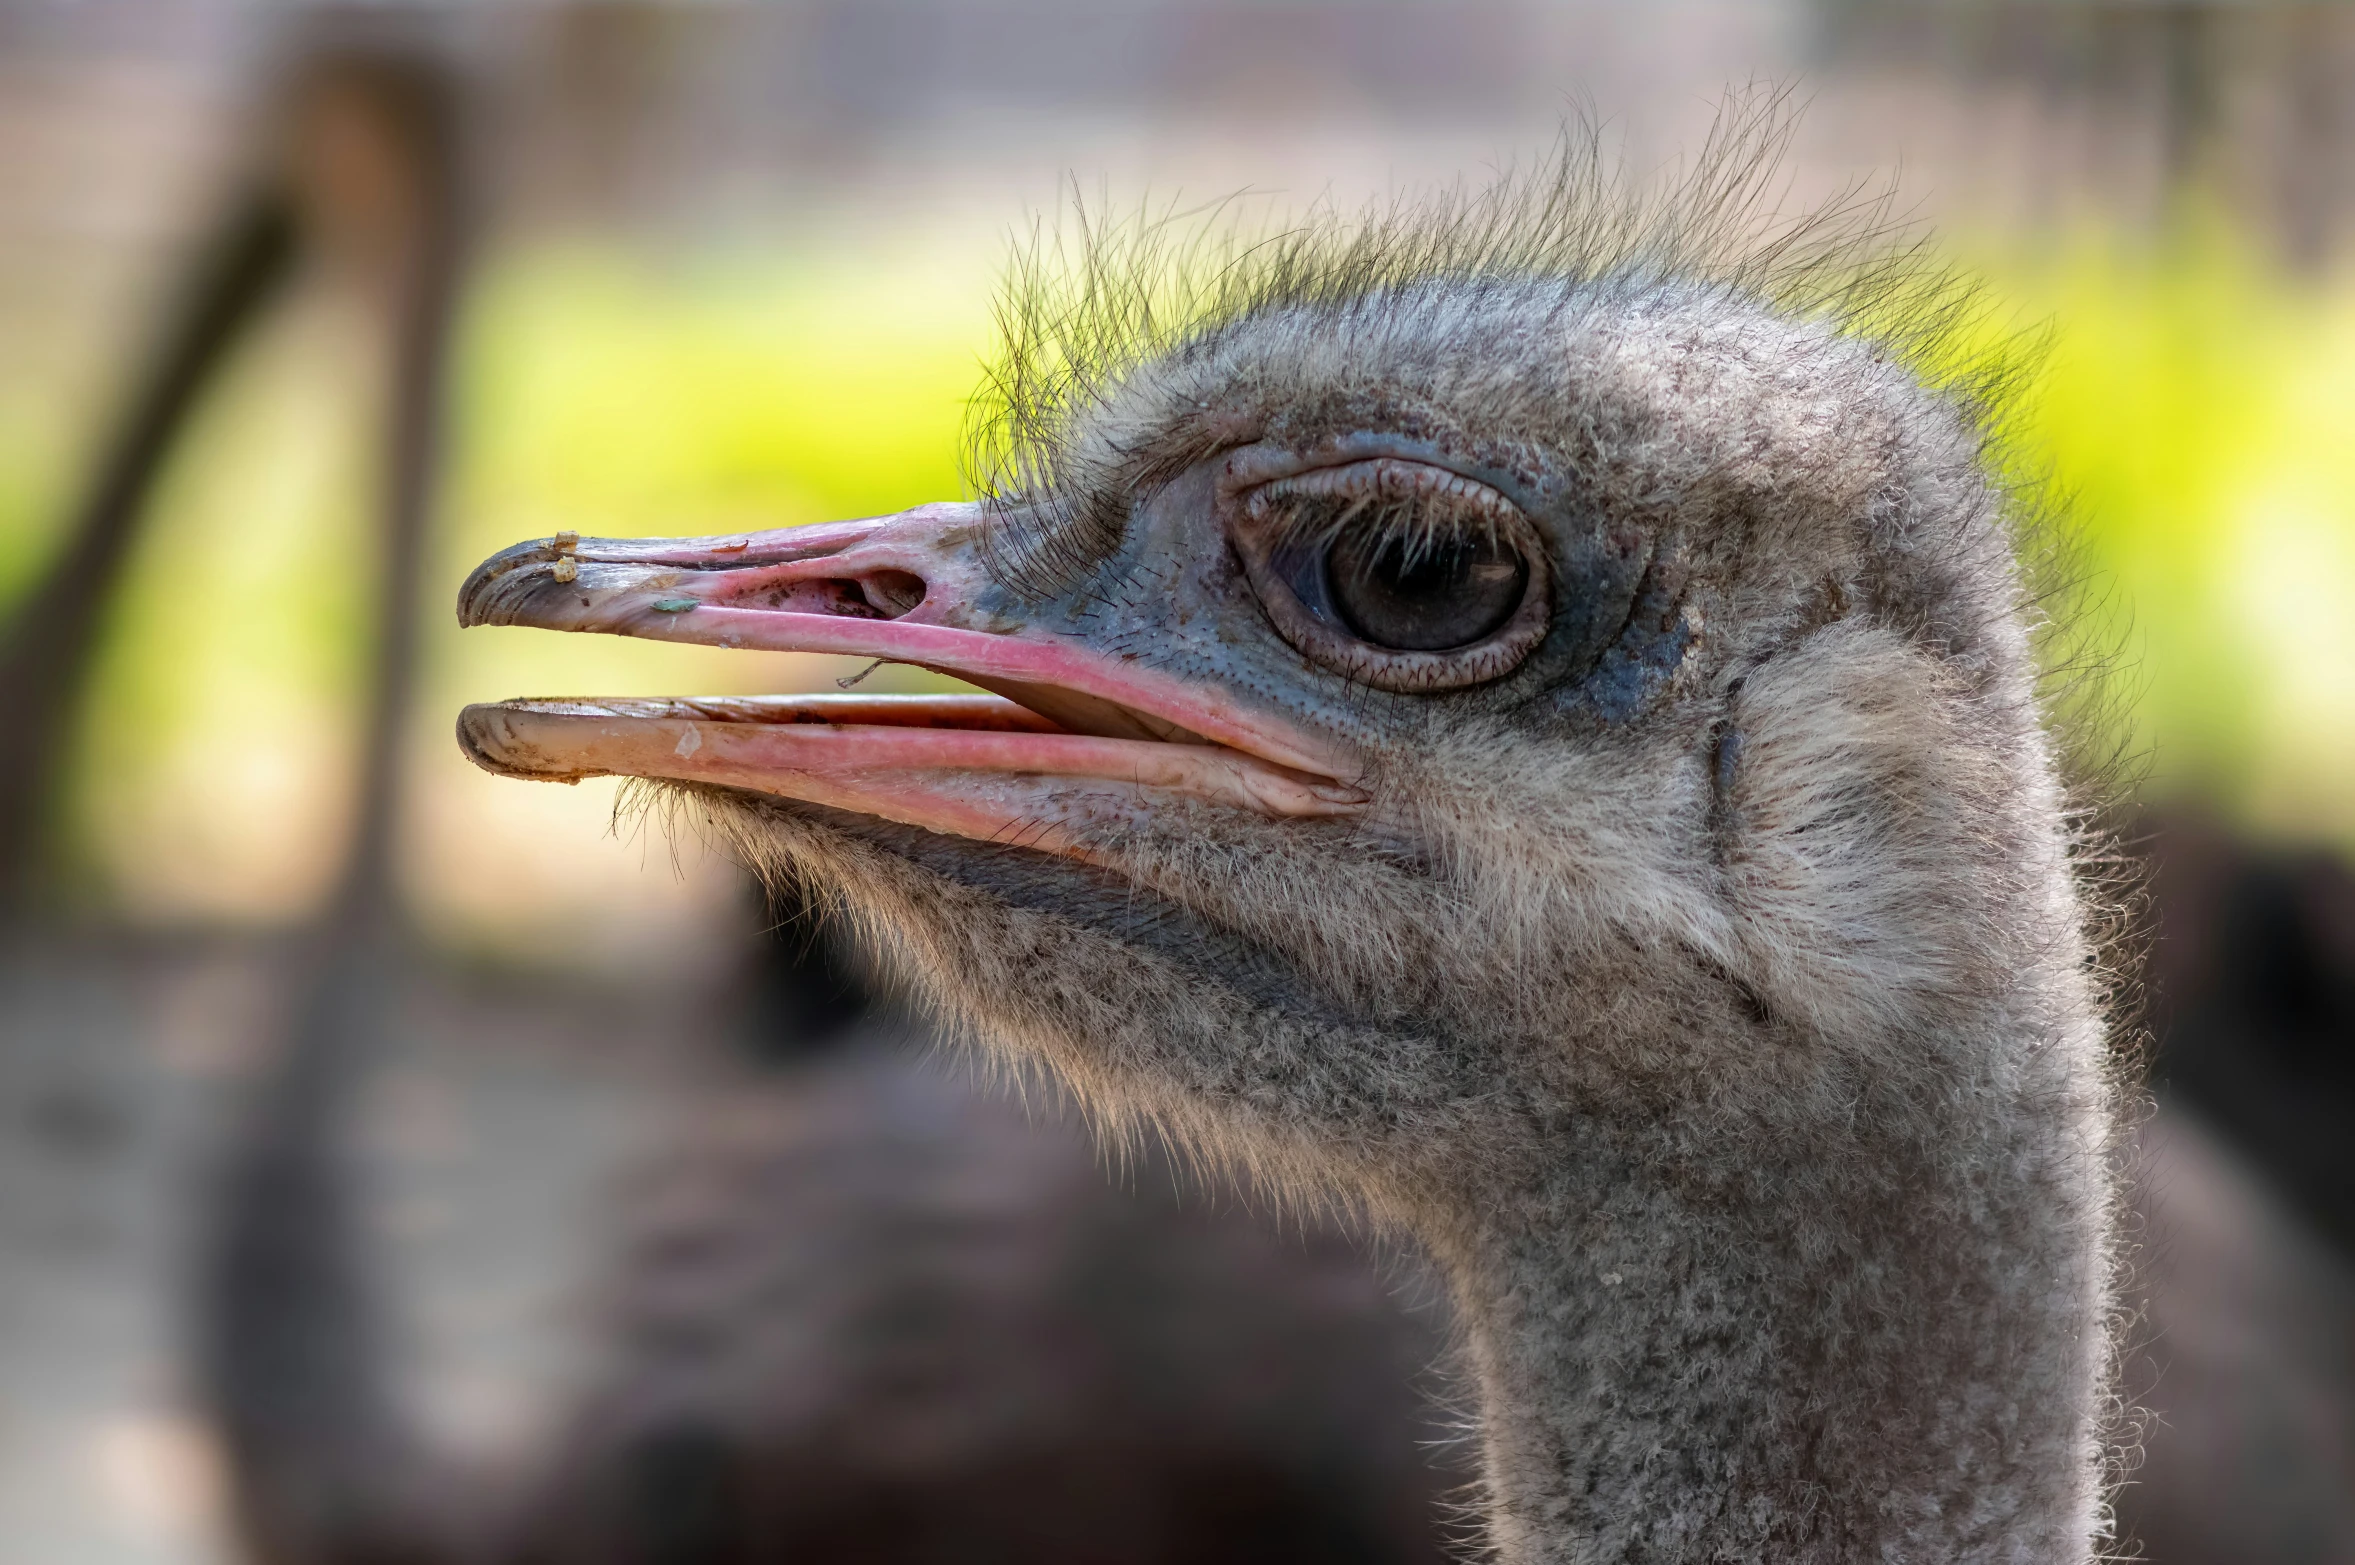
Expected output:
(715, 267)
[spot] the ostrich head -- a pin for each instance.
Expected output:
(1515, 719)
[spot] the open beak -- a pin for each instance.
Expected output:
(1073, 740)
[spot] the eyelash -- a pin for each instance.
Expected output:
(1328, 502)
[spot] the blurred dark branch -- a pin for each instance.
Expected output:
(46, 650)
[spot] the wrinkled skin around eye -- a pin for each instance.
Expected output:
(1447, 595)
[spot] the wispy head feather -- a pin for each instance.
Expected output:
(1089, 303)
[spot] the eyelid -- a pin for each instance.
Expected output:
(1383, 481)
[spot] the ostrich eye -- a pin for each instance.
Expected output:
(1424, 596)
(1395, 573)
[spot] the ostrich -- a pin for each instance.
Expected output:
(1518, 715)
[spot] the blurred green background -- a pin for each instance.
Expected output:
(2193, 401)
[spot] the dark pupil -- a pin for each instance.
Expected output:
(1428, 598)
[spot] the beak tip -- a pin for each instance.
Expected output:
(497, 589)
(477, 737)
(488, 735)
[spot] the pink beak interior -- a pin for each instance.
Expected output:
(1072, 740)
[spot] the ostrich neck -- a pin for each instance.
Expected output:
(1882, 1344)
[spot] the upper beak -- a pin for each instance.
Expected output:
(1074, 738)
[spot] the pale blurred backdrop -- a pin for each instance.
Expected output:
(732, 267)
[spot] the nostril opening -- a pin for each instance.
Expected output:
(879, 594)
(891, 593)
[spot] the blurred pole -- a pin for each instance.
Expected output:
(46, 650)
(2318, 63)
(405, 115)
(2190, 91)
(324, 1467)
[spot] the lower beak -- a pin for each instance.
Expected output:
(1072, 741)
